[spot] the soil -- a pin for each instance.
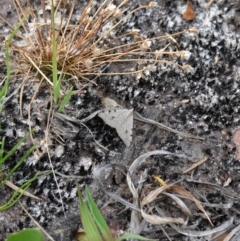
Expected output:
(203, 102)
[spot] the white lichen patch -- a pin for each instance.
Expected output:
(59, 150)
(86, 162)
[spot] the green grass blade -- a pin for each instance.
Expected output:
(57, 90)
(3, 159)
(65, 100)
(56, 82)
(133, 236)
(14, 198)
(89, 225)
(3, 91)
(17, 195)
(22, 159)
(100, 221)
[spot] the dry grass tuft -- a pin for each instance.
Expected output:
(87, 45)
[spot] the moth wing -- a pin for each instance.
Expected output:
(121, 120)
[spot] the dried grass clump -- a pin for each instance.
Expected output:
(86, 46)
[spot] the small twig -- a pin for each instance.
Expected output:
(216, 187)
(18, 189)
(67, 176)
(210, 3)
(101, 146)
(66, 117)
(138, 117)
(195, 165)
(81, 122)
(169, 239)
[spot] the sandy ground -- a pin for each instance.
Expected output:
(203, 102)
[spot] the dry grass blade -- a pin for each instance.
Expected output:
(233, 233)
(154, 219)
(153, 194)
(144, 156)
(86, 45)
(138, 161)
(180, 203)
(193, 233)
(189, 196)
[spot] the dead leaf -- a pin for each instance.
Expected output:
(81, 235)
(153, 194)
(189, 14)
(121, 120)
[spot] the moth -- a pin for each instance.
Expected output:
(121, 120)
